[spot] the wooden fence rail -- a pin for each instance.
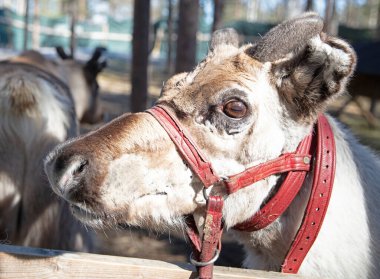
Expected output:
(24, 262)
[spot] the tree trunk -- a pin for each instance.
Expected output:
(26, 24)
(218, 14)
(309, 5)
(331, 19)
(378, 22)
(253, 10)
(82, 10)
(293, 8)
(36, 25)
(187, 35)
(73, 21)
(170, 35)
(373, 13)
(140, 52)
(348, 18)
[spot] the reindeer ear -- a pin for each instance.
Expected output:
(97, 54)
(61, 53)
(310, 76)
(227, 36)
(307, 66)
(286, 37)
(94, 65)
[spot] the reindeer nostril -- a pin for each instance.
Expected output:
(61, 163)
(70, 180)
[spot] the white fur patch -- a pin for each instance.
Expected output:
(148, 194)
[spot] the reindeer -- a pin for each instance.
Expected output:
(36, 113)
(240, 143)
(82, 79)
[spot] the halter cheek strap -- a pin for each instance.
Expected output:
(185, 145)
(297, 164)
(321, 190)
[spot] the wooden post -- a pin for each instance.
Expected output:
(187, 35)
(170, 35)
(140, 53)
(309, 5)
(218, 14)
(18, 262)
(26, 24)
(36, 25)
(292, 8)
(378, 22)
(331, 21)
(73, 21)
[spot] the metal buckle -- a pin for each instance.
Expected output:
(196, 263)
(205, 195)
(204, 190)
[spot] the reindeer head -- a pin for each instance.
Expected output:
(82, 80)
(242, 106)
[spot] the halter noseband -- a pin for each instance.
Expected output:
(297, 164)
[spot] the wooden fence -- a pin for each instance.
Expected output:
(25, 262)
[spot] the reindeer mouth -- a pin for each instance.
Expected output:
(86, 216)
(93, 219)
(157, 193)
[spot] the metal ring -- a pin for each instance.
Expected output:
(223, 178)
(205, 195)
(196, 263)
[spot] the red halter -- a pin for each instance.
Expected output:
(296, 165)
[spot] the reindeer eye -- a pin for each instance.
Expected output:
(235, 109)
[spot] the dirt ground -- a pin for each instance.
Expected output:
(172, 247)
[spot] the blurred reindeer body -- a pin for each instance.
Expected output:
(36, 113)
(243, 107)
(73, 74)
(81, 78)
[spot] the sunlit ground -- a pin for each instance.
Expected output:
(367, 132)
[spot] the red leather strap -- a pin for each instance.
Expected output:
(285, 163)
(282, 199)
(212, 233)
(323, 180)
(193, 235)
(296, 164)
(185, 145)
(205, 250)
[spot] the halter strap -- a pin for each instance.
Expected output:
(284, 196)
(185, 145)
(323, 180)
(297, 165)
(202, 167)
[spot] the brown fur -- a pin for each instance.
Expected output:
(287, 88)
(304, 87)
(285, 37)
(198, 96)
(106, 146)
